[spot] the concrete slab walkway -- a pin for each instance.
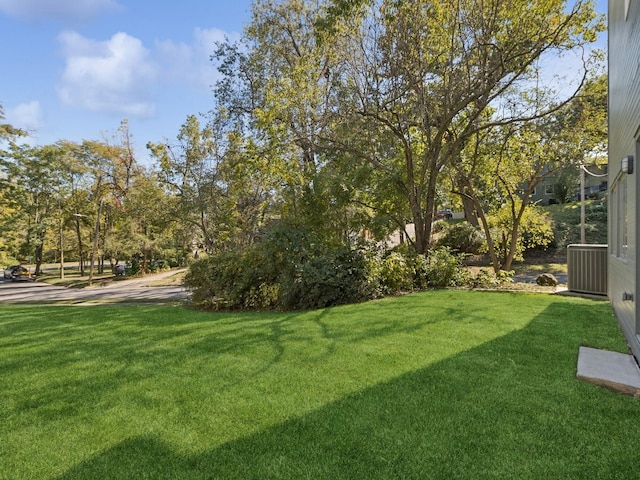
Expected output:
(613, 370)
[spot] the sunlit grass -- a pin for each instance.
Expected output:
(72, 277)
(445, 384)
(170, 281)
(531, 268)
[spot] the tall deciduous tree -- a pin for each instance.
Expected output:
(502, 167)
(110, 167)
(283, 79)
(220, 185)
(434, 74)
(8, 241)
(145, 228)
(31, 178)
(189, 170)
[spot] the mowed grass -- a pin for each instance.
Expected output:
(438, 385)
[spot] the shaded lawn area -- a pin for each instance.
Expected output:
(445, 384)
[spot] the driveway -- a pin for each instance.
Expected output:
(135, 290)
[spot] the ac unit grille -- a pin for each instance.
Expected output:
(587, 268)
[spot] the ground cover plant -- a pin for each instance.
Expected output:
(566, 218)
(441, 384)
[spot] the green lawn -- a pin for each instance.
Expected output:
(443, 385)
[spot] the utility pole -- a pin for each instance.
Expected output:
(582, 215)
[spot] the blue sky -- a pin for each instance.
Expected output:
(73, 69)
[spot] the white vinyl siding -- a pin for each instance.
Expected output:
(624, 131)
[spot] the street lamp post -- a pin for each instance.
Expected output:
(96, 232)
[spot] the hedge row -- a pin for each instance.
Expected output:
(289, 270)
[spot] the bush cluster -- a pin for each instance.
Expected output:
(291, 270)
(488, 279)
(397, 271)
(288, 270)
(462, 238)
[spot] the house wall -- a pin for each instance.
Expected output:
(624, 135)
(595, 187)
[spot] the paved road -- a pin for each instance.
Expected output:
(133, 290)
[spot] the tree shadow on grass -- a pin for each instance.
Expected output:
(88, 359)
(509, 408)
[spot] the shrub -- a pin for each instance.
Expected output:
(199, 279)
(446, 269)
(233, 280)
(535, 231)
(135, 267)
(282, 272)
(333, 278)
(438, 226)
(486, 279)
(402, 271)
(462, 238)
(395, 273)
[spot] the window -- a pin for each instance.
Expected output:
(548, 189)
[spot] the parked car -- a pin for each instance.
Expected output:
(120, 270)
(444, 214)
(17, 272)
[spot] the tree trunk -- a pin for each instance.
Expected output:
(38, 253)
(96, 232)
(421, 244)
(491, 246)
(80, 249)
(513, 241)
(470, 213)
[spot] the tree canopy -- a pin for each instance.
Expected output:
(344, 120)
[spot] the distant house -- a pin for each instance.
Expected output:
(595, 186)
(624, 150)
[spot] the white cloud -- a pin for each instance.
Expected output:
(120, 75)
(74, 10)
(114, 76)
(190, 63)
(27, 116)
